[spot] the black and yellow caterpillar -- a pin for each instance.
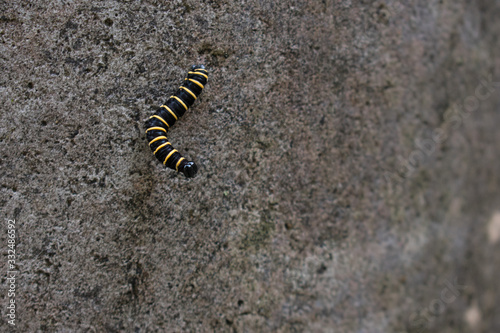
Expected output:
(165, 117)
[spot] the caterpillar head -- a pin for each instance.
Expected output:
(190, 169)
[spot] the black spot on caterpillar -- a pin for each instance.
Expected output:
(165, 117)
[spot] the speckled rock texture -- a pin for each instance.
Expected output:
(339, 189)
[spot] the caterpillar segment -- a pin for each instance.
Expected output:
(165, 117)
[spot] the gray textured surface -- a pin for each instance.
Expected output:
(296, 221)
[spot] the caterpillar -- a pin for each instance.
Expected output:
(165, 117)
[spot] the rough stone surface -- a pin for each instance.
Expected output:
(305, 215)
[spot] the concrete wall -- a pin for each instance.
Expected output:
(349, 166)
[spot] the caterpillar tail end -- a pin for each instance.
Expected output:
(194, 67)
(189, 170)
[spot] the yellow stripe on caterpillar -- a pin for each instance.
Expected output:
(158, 117)
(171, 112)
(180, 101)
(198, 83)
(161, 146)
(158, 138)
(156, 129)
(206, 77)
(170, 154)
(201, 69)
(178, 163)
(189, 91)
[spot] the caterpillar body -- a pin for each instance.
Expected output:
(165, 117)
